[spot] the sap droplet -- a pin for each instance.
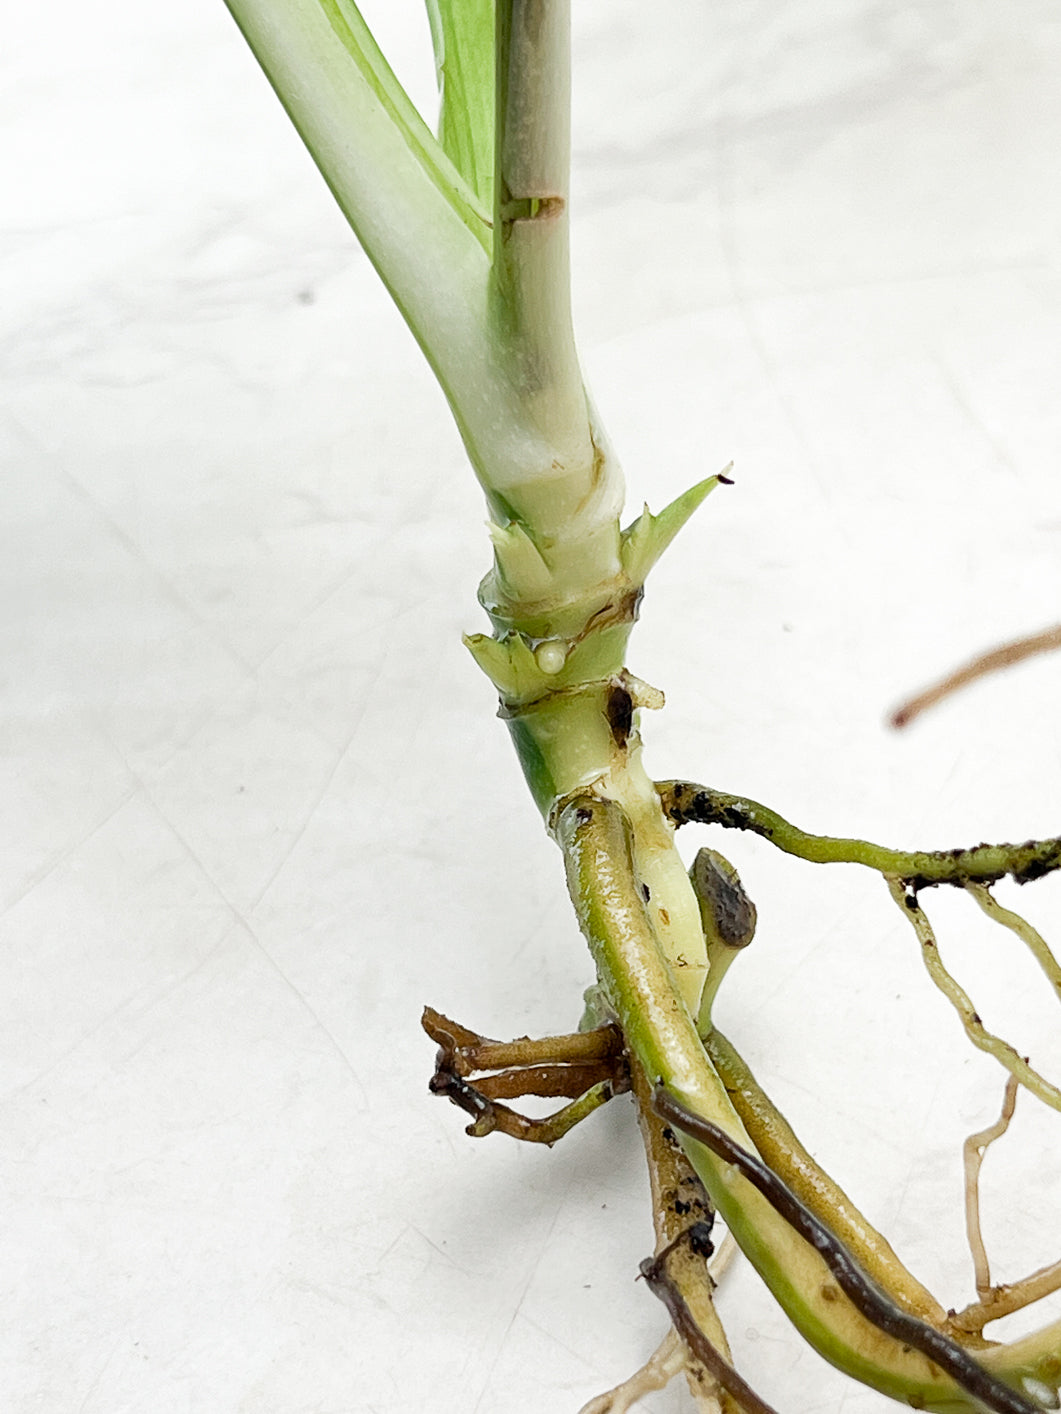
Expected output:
(550, 656)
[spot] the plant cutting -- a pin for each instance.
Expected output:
(469, 232)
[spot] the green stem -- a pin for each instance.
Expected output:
(570, 507)
(518, 402)
(462, 35)
(531, 225)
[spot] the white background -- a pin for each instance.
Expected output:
(256, 807)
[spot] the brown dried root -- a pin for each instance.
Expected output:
(587, 1068)
(671, 1357)
(733, 1389)
(1004, 656)
(680, 1274)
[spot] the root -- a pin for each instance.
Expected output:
(1036, 943)
(870, 1299)
(705, 1353)
(669, 1359)
(779, 1146)
(993, 1302)
(588, 1068)
(683, 1218)
(982, 1039)
(973, 1151)
(684, 803)
(1006, 1298)
(992, 662)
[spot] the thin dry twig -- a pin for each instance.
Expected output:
(978, 1034)
(994, 661)
(973, 1151)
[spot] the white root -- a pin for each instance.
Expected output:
(670, 1359)
(973, 1152)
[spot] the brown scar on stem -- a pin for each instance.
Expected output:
(619, 710)
(531, 208)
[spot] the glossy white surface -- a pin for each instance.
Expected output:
(257, 810)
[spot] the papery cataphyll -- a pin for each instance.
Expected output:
(469, 231)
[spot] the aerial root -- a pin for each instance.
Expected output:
(984, 1040)
(684, 803)
(1035, 942)
(973, 1151)
(778, 1145)
(704, 1352)
(993, 1302)
(668, 1360)
(992, 662)
(586, 1068)
(1004, 1299)
(683, 1219)
(869, 1298)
